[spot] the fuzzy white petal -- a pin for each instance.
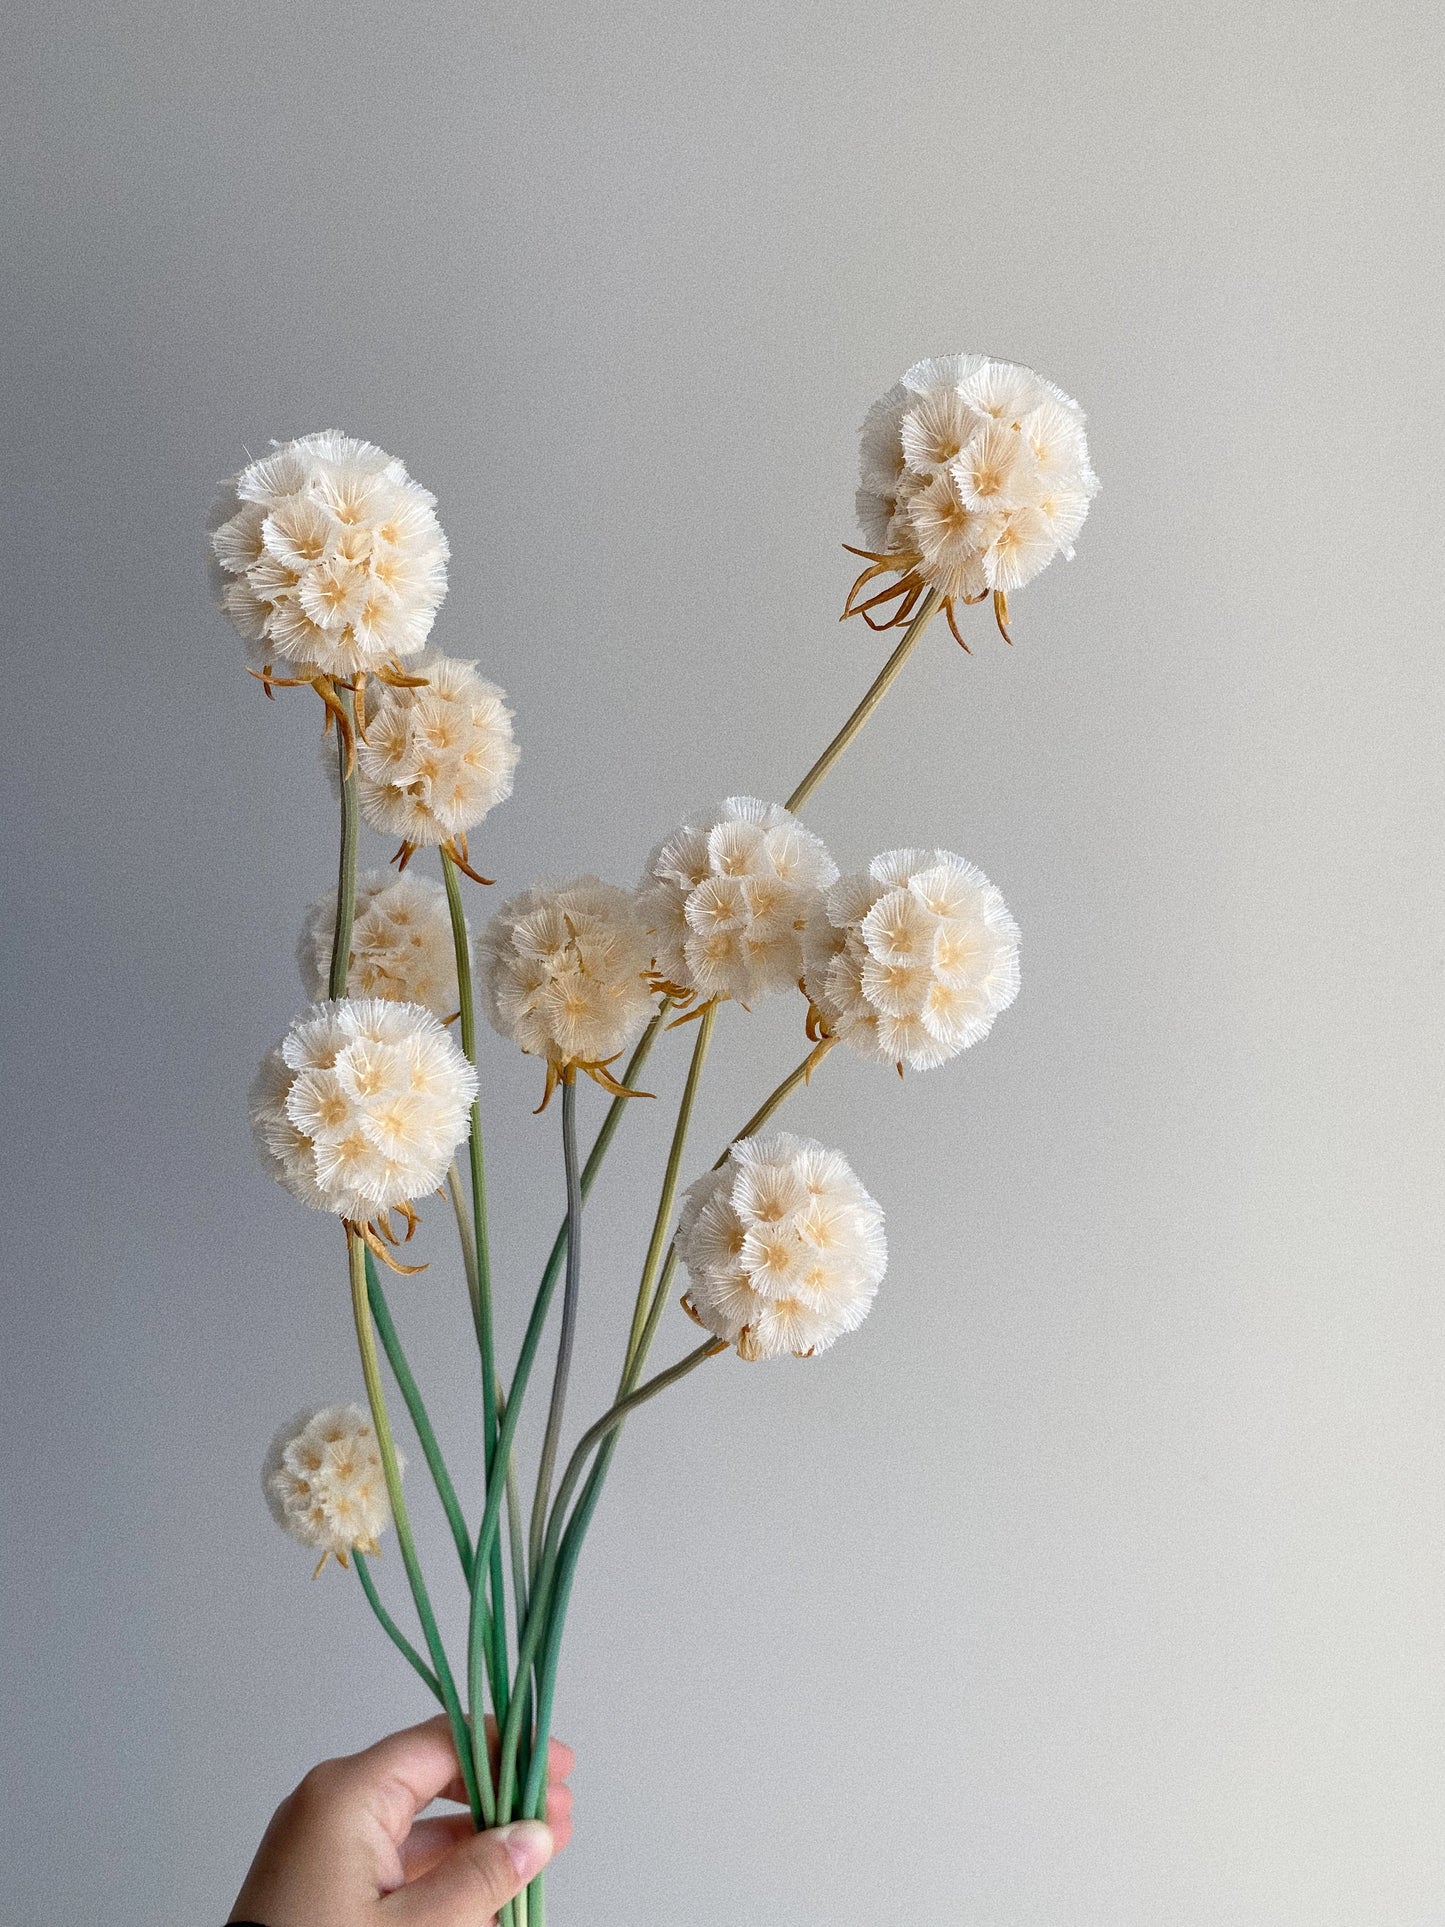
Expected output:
(995, 471)
(401, 943)
(313, 517)
(1023, 544)
(937, 429)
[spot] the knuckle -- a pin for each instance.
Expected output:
(316, 1792)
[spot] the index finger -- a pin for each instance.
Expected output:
(398, 1776)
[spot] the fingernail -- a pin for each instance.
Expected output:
(529, 1846)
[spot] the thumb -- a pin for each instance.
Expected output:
(481, 1876)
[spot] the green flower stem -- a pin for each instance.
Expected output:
(489, 1631)
(468, 1029)
(571, 1292)
(554, 1554)
(641, 1322)
(487, 1530)
(346, 870)
(402, 1373)
(878, 690)
(607, 1434)
(654, 1316)
(516, 1547)
(389, 1626)
(802, 1075)
(478, 1799)
(668, 1198)
(469, 1260)
(469, 1248)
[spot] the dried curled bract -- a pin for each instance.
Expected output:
(911, 963)
(784, 1248)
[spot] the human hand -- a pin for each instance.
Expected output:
(347, 1849)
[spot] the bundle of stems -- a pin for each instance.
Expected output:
(519, 1595)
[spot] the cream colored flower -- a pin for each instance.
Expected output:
(339, 561)
(402, 947)
(563, 974)
(324, 1482)
(726, 901)
(436, 758)
(974, 475)
(784, 1249)
(911, 963)
(361, 1106)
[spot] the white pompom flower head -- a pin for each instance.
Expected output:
(402, 945)
(325, 1484)
(437, 753)
(334, 566)
(359, 1110)
(726, 901)
(911, 963)
(974, 474)
(565, 972)
(784, 1248)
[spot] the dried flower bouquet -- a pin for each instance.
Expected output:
(975, 474)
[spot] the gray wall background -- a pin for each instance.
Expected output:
(1098, 1582)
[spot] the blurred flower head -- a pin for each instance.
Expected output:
(324, 1482)
(402, 947)
(563, 971)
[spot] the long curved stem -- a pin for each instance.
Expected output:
(514, 1525)
(496, 1487)
(467, 1027)
(543, 1591)
(346, 874)
(553, 1589)
(663, 1220)
(876, 692)
(389, 1626)
(488, 1630)
(543, 1301)
(534, 1793)
(478, 1799)
(571, 1292)
(468, 1243)
(650, 1295)
(410, 1391)
(776, 1099)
